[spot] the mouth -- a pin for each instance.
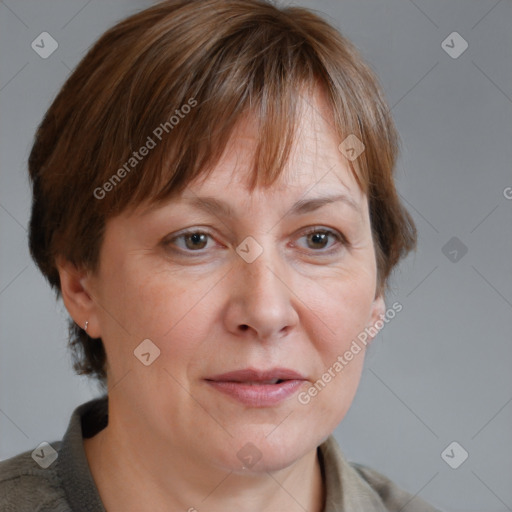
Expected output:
(256, 388)
(260, 382)
(252, 376)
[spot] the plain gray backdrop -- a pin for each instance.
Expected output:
(440, 371)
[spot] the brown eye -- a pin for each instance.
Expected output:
(196, 240)
(190, 241)
(318, 240)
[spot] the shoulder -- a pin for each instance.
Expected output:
(351, 486)
(393, 497)
(25, 486)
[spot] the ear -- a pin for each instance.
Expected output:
(76, 297)
(377, 313)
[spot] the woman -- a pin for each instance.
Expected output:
(213, 199)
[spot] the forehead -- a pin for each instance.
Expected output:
(315, 161)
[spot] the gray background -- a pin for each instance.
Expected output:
(440, 371)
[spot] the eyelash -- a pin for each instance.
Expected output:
(341, 239)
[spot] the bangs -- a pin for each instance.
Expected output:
(185, 119)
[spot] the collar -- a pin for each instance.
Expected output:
(345, 489)
(72, 465)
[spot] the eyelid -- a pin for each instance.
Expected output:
(338, 234)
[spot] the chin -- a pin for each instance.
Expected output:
(262, 452)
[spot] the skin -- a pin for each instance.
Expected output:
(172, 440)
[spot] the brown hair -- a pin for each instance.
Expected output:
(185, 72)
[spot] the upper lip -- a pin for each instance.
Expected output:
(252, 375)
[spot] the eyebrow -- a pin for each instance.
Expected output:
(302, 206)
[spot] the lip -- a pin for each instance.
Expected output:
(236, 385)
(253, 375)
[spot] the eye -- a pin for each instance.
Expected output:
(194, 240)
(318, 239)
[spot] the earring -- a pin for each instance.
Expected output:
(86, 325)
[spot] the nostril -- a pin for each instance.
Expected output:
(244, 327)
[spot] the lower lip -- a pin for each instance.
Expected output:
(258, 395)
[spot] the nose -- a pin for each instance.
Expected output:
(261, 303)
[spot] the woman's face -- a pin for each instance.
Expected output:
(247, 288)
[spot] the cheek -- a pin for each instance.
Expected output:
(338, 312)
(169, 309)
(340, 309)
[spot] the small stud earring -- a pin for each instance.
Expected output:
(86, 325)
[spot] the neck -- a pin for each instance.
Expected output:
(131, 474)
